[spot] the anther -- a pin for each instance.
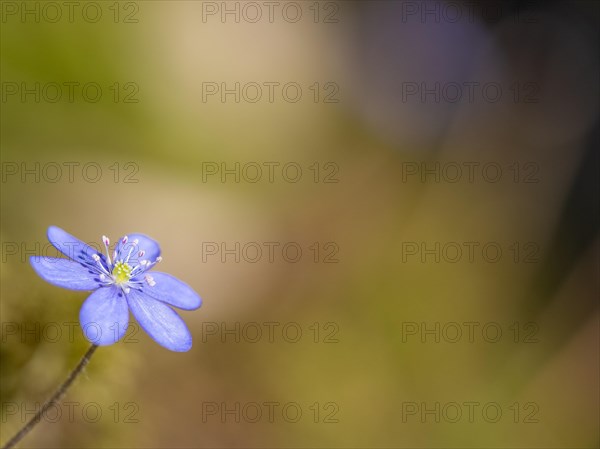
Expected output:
(150, 280)
(106, 242)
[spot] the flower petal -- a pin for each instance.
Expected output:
(72, 247)
(160, 321)
(65, 273)
(150, 247)
(104, 316)
(172, 291)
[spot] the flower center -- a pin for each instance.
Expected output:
(121, 272)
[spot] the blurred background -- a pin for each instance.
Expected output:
(428, 188)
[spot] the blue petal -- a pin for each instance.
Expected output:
(104, 316)
(65, 273)
(160, 321)
(172, 291)
(145, 243)
(72, 247)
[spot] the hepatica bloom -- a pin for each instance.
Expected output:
(120, 283)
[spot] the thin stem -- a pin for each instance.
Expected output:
(58, 394)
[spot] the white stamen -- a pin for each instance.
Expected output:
(150, 280)
(96, 258)
(159, 259)
(144, 265)
(141, 253)
(106, 242)
(124, 239)
(135, 243)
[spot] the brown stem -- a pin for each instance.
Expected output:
(58, 394)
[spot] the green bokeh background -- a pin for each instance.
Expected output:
(370, 371)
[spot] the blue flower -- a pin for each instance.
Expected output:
(120, 284)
